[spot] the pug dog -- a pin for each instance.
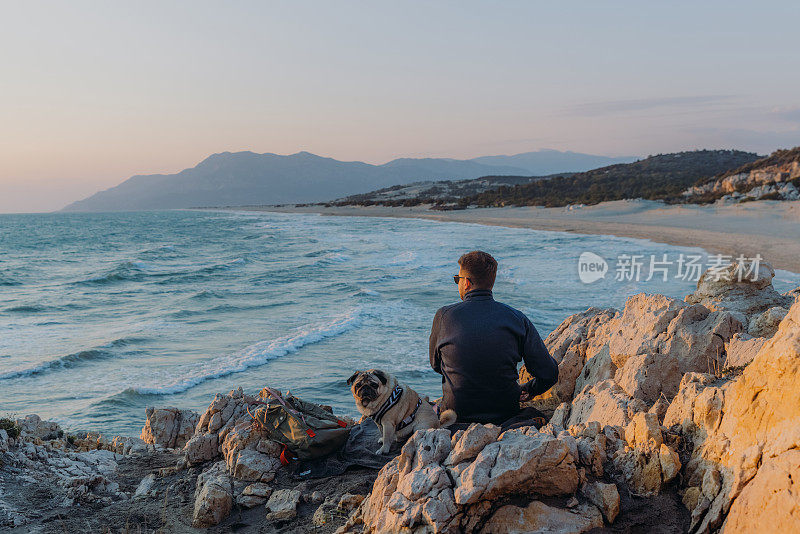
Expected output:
(398, 410)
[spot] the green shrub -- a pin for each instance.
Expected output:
(10, 427)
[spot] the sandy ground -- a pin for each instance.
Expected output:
(767, 227)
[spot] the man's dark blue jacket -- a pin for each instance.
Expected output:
(476, 346)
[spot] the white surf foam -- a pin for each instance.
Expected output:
(255, 355)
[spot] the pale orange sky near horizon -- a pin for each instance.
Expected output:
(92, 93)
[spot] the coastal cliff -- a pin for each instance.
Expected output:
(669, 415)
(776, 177)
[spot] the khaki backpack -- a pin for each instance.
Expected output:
(305, 429)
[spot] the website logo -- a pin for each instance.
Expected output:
(591, 267)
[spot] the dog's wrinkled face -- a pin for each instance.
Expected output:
(367, 385)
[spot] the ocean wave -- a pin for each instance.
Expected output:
(404, 258)
(26, 308)
(136, 270)
(70, 360)
(332, 257)
(256, 354)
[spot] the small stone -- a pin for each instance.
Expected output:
(258, 489)
(349, 501)
(604, 496)
(250, 501)
(670, 463)
(144, 486)
(282, 505)
(692, 497)
(712, 482)
(324, 514)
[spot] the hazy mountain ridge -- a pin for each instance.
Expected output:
(546, 161)
(246, 178)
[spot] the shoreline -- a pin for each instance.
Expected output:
(768, 228)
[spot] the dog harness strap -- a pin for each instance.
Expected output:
(410, 419)
(390, 402)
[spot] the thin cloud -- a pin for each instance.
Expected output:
(593, 109)
(787, 114)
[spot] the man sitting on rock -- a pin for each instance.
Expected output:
(477, 344)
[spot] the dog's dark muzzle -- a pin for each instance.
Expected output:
(366, 392)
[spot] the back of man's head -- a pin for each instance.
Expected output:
(481, 266)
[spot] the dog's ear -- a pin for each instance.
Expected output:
(381, 376)
(353, 378)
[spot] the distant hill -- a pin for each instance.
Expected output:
(661, 177)
(543, 162)
(429, 192)
(247, 178)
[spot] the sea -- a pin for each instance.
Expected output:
(104, 314)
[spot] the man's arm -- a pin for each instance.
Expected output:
(433, 342)
(538, 362)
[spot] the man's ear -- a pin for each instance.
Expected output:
(353, 378)
(381, 376)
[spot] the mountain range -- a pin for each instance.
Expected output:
(248, 178)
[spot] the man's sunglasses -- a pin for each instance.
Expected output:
(456, 278)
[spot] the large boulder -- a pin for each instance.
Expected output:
(605, 402)
(604, 496)
(766, 323)
(649, 376)
(169, 427)
(742, 349)
(744, 288)
(413, 490)
(539, 517)
(33, 427)
(519, 462)
(568, 345)
(226, 428)
(213, 497)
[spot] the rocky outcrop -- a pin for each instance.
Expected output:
(644, 350)
(169, 427)
(775, 177)
(226, 429)
(745, 289)
(568, 345)
(749, 424)
(734, 419)
(441, 484)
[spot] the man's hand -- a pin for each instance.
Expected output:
(524, 397)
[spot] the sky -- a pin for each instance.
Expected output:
(94, 92)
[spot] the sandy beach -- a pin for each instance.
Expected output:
(769, 228)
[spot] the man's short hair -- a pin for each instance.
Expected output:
(481, 266)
